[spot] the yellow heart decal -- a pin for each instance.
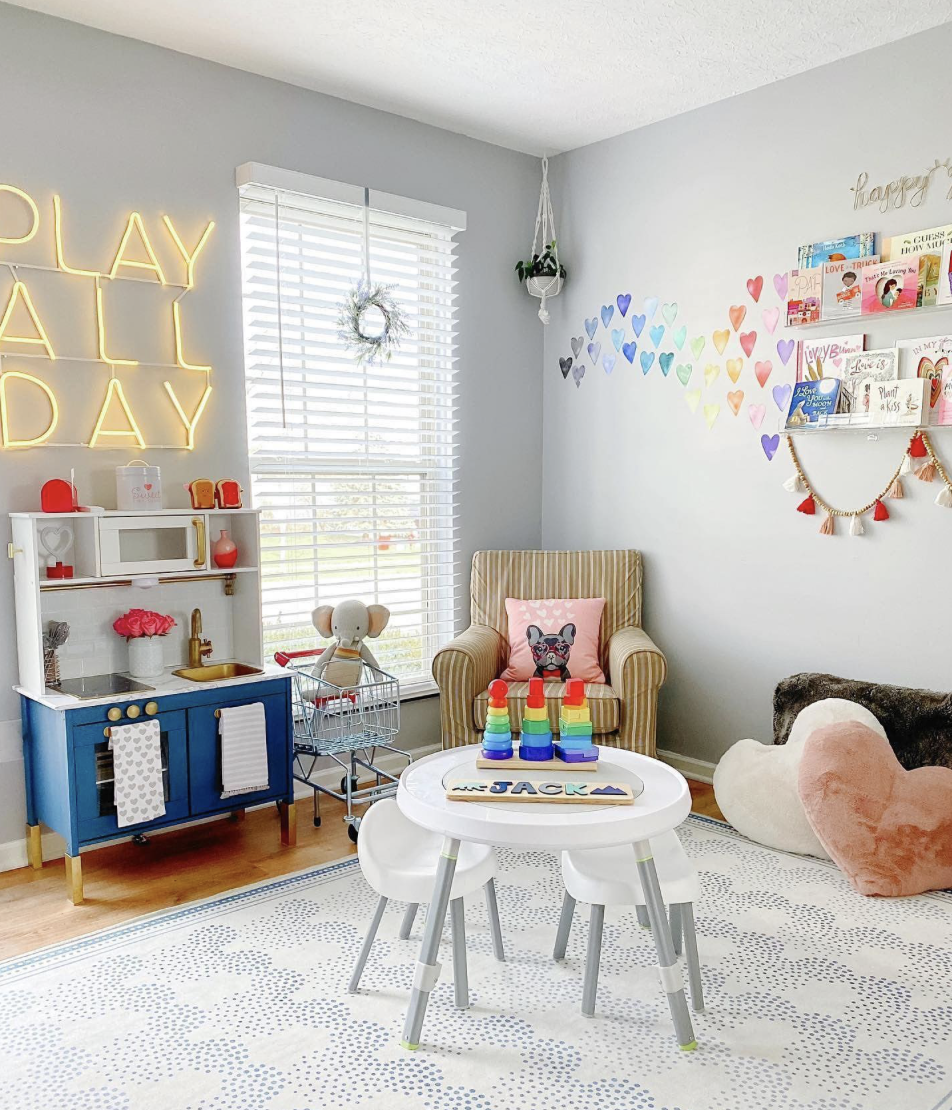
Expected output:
(693, 396)
(710, 373)
(721, 339)
(710, 414)
(735, 400)
(734, 367)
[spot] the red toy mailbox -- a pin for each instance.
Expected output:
(58, 496)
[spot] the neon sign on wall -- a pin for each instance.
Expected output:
(116, 421)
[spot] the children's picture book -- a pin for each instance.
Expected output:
(837, 250)
(803, 296)
(890, 286)
(842, 289)
(862, 369)
(898, 403)
(931, 358)
(825, 357)
(934, 243)
(812, 400)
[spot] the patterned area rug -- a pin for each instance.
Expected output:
(816, 998)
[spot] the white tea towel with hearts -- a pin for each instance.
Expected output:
(137, 770)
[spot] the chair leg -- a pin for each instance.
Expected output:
(407, 924)
(592, 960)
(367, 945)
(642, 912)
(565, 927)
(494, 927)
(460, 973)
(694, 963)
(674, 912)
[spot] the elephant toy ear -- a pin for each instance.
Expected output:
(379, 615)
(321, 619)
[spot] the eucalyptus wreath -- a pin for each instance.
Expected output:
(368, 346)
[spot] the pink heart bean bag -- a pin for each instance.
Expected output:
(888, 829)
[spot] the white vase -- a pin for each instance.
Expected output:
(145, 657)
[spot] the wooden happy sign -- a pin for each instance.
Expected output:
(505, 790)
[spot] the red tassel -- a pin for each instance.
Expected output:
(917, 449)
(880, 512)
(808, 507)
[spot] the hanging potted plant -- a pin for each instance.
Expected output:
(543, 273)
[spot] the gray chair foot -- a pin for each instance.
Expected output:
(494, 927)
(407, 924)
(460, 972)
(693, 961)
(367, 945)
(642, 912)
(565, 927)
(592, 960)
(674, 912)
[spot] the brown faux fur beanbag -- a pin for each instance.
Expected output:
(888, 829)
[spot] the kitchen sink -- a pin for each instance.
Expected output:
(215, 672)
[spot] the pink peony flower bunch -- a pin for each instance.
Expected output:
(142, 622)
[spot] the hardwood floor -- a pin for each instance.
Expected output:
(123, 881)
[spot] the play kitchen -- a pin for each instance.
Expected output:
(145, 700)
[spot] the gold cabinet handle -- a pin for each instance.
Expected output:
(115, 714)
(198, 523)
(133, 711)
(151, 708)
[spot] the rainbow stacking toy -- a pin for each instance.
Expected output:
(535, 743)
(575, 726)
(497, 738)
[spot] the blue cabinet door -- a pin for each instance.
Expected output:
(204, 755)
(95, 781)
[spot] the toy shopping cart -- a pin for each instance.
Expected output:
(351, 725)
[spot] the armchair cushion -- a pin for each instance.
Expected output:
(602, 702)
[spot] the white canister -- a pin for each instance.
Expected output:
(138, 486)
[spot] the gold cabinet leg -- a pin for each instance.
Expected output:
(288, 823)
(34, 847)
(74, 879)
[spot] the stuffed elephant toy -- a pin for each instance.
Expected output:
(342, 661)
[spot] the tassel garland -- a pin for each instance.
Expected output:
(880, 512)
(828, 527)
(808, 506)
(927, 472)
(896, 490)
(856, 525)
(945, 498)
(793, 484)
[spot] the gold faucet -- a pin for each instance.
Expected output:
(197, 647)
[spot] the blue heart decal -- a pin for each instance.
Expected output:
(647, 358)
(651, 307)
(618, 337)
(628, 350)
(637, 324)
(781, 396)
(608, 361)
(657, 334)
(594, 350)
(623, 300)
(665, 360)
(591, 326)
(679, 336)
(608, 311)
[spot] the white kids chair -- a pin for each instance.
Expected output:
(608, 877)
(399, 860)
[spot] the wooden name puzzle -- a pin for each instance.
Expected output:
(572, 793)
(517, 764)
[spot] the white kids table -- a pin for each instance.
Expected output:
(662, 802)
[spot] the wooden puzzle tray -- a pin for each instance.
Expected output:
(517, 764)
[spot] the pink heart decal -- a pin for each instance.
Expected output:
(147, 486)
(755, 286)
(771, 316)
(747, 341)
(737, 312)
(763, 370)
(780, 284)
(756, 414)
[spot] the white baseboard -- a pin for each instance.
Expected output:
(690, 767)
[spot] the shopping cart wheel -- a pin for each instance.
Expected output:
(317, 822)
(353, 829)
(353, 784)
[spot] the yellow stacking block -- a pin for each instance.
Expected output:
(575, 714)
(530, 714)
(492, 711)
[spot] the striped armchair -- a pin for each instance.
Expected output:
(624, 712)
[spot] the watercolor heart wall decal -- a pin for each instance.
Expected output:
(591, 326)
(780, 284)
(756, 414)
(737, 312)
(618, 337)
(565, 365)
(781, 396)
(608, 311)
(647, 358)
(771, 316)
(651, 307)
(623, 300)
(679, 336)
(734, 367)
(693, 397)
(785, 349)
(735, 400)
(763, 371)
(665, 360)
(608, 362)
(721, 339)
(637, 325)
(697, 345)
(628, 350)
(710, 373)
(670, 312)
(578, 372)
(577, 345)
(755, 286)
(657, 334)
(710, 414)
(747, 341)
(594, 350)
(684, 371)
(770, 445)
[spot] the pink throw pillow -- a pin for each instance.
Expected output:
(555, 638)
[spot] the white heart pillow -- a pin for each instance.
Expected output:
(756, 784)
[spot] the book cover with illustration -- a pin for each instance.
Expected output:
(900, 403)
(890, 286)
(824, 358)
(937, 286)
(837, 250)
(931, 358)
(811, 400)
(859, 371)
(842, 289)
(803, 296)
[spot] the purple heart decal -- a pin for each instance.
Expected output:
(780, 284)
(781, 396)
(628, 350)
(623, 300)
(637, 325)
(770, 445)
(594, 350)
(578, 372)
(785, 349)
(565, 365)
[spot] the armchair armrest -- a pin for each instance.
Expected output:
(636, 668)
(462, 669)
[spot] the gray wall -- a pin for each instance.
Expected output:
(740, 589)
(115, 125)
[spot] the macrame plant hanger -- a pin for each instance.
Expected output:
(545, 285)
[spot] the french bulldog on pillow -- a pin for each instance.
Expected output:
(550, 652)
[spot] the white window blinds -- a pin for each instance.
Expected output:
(353, 466)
